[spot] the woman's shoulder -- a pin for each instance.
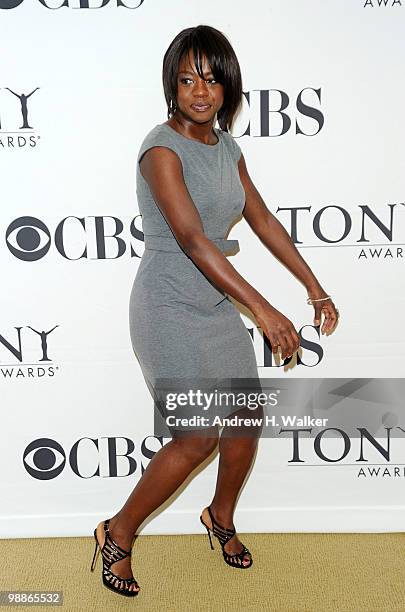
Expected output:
(232, 145)
(159, 135)
(159, 131)
(163, 135)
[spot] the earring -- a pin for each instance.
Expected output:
(172, 107)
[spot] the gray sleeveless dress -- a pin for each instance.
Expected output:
(182, 326)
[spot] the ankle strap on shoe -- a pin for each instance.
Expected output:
(223, 533)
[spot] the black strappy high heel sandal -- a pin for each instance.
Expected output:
(111, 553)
(224, 535)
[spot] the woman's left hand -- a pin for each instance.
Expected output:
(325, 307)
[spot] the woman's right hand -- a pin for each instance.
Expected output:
(278, 329)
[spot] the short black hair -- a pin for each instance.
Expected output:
(205, 40)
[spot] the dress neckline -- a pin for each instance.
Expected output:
(211, 146)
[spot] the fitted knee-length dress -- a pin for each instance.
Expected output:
(182, 326)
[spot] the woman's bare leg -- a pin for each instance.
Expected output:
(237, 447)
(166, 471)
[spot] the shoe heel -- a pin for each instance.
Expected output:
(209, 535)
(208, 531)
(95, 556)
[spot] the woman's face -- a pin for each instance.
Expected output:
(198, 99)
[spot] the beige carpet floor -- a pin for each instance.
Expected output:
(291, 573)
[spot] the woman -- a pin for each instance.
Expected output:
(192, 183)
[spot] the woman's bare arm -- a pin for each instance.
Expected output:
(275, 237)
(162, 169)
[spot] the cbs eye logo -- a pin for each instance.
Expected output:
(28, 238)
(9, 4)
(44, 459)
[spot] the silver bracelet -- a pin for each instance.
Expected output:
(311, 300)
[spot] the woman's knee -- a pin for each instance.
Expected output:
(197, 448)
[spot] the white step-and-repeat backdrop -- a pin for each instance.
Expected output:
(322, 131)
